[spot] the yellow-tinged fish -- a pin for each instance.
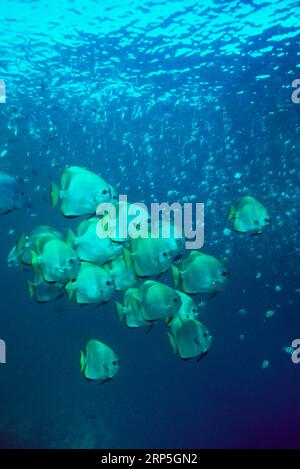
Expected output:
(93, 285)
(89, 246)
(158, 301)
(99, 362)
(26, 243)
(250, 216)
(170, 235)
(149, 256)
(81, 192)
(130, 311)
(123, 220)
(43, 291)
(200, 273)
(188, 308)
(189, 338)
(56, 259)
(124, 275)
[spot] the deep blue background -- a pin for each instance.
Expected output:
(194, 141)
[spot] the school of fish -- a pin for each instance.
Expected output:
(90, 269)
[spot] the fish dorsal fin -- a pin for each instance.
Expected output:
(194, 254)
(42, 241)
(145, 286)
(249, 199)
(135, 302)
(246, 200)
(66, 179)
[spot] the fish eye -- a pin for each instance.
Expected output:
(224, 274)
(255, 222)
(164, 254)
(108, 283)
(194, 310)
(205, 334)
(115, 362)
(71, 261)
(267, 220)
(105, 191)
(175, 300)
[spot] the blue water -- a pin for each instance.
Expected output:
(157, 96)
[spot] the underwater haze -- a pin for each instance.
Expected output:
(168, 101)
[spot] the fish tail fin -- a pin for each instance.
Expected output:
(30, 288)
(135, 304)
(35, 263)
(69, 290)
(82, 361)
(120, 310)
(71, 237)
(127, 258)
(172, 342)
(232, 213)
(55, 194)
(176, 274)
(34, 258)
